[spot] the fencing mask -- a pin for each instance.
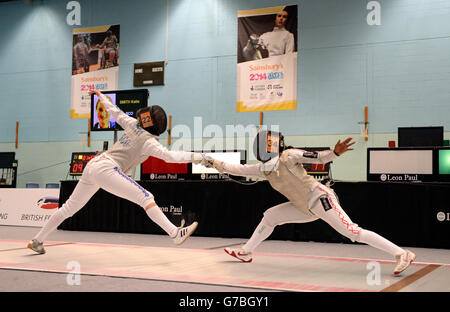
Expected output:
(153, 119)
(267, 145)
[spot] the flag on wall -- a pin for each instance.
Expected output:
(95, 65)
(267, 59)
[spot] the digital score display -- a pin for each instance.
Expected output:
(317, 169)
(79, 161)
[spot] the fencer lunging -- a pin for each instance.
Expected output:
(107, 171)
(309, 199)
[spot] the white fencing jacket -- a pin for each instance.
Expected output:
(285, 173)
(136, 144)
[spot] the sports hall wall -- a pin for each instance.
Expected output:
(400, 69)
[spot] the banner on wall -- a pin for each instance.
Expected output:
(27, 207)
(267, 59)
(95, 65)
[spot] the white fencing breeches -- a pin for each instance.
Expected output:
(100, 172)
(324, 205)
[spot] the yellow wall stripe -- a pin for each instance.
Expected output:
(285, 105)
(75, 115)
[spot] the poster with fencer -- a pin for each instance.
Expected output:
(95, 65)
(267, 59)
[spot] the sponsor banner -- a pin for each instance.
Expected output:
(95, 65)
(268, 84)
(402, 177)
(202, 176)
(174, 212)
(214, 176)
(165, 176)
(27, 207)
(267, 59)
(107, 79)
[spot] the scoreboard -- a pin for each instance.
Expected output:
(79, 161)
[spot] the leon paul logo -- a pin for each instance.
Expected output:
(174, 210)
(399, 177)
(442, 216)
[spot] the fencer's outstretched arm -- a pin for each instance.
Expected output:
(151, 147)
(155, 149)
(341, 147)
(299, 156)
(249, 171)
(321, 157)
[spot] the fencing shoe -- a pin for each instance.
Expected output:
(240, 254)
(403, 261)
(37, 246)
(183, 233)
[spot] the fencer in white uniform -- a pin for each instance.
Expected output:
(108, 171)
(279, 41)
(309, 199)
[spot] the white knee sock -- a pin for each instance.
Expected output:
(157, 216)
(262, 231)
(377, 241)
(55, 220)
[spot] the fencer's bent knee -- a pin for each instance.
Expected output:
(269, 220)
(358, 236)
(151, 205)
(355, 237)
(147, 202)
